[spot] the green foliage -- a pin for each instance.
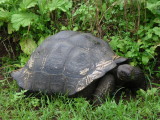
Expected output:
(41, 39)
(21, 61)
(158, 73)
(18, 96)
(156, 31)
(28, 46)
(25, 4)
(62, 5)
(133, 27)
(22, 19)
(4, 15)
(139, 51)
(154, 7)
(142, 45)
(149, 94)
(84, 16)
(26, 18)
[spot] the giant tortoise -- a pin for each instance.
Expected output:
(77, 64)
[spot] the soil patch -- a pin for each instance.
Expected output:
(1, 77)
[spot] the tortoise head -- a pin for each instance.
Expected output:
(128, 73)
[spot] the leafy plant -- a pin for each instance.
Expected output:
(22, 19)
(29, 17)
(83, 16)
(18, 96)
(132, 27)
(149, 94)
(141, 47)
(139, 52)
(28, 46)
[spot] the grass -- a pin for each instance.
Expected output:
(16, 106)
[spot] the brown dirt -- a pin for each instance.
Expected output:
(1, 77)
(3, 51)
(7, 45)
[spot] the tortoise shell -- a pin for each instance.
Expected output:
(67, 62)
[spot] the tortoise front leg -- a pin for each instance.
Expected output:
(105, 87)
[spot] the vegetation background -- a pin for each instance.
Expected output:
(132, 28)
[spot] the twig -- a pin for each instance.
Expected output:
(125, 13)
(28, 29)
(11, 48)
(4, 40)
(139, 13)
(6, 48)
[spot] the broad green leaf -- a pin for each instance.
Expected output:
(151, 51)
(75, 28)
(63, 28)
(134, 63)
(28, 4)
(42, 39)
(154, 7)
(155, 38)
(145, 60)
(23, 59)
(130, 54)
(63, 5)
(28, 45)
(3, 1)
(149, 35)
(113, 42)
(4, 15)
(157, 20)
(54, 4)
(104, 7)
(43, 6)
(22, 19)
(157, 31)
